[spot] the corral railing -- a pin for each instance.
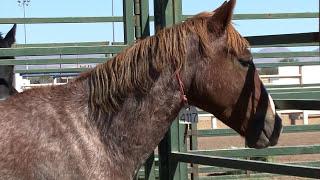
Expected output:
(135, 25)
(172, 150)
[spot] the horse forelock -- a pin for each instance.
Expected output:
(235, 41)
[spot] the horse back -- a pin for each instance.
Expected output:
(45, 134)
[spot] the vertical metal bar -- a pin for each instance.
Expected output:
(144, 18)
(128, 24)
(213, 122)
(112, 14)
(163, 14)
(301, 77)
(194, 146)
(164, 148)
(166, 166)
(182, 167)
(137, 18)
(149, 168)
(174, 168)
(174, 139)
(158, 15)
(177, 10)
(136, 176)
(170, 169)
(305, 117)
(163, 158)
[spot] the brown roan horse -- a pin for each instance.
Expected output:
(7, 72)
(104, 124)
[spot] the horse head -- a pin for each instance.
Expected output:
(224, 80)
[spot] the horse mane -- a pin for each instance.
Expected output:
(135, 69)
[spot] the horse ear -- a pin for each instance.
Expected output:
(11, 35)
(222, 16)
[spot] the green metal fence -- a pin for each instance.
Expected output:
(173, 154)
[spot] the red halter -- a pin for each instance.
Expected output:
(184, 99)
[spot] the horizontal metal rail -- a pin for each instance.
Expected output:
(61, 20)
(104, 43)
(45, 51)
(303, 104)
(294, 89)
(213, 169)
(292, 86)
(73, 50)
(301, 95)
(281, 64)
(285, 54)
(286, 45)
(270, 16)
(231, 132)
(97, 43)
(268, 167)
(69, 51)
(280, 76)
(251, 176)
(31, 61)
(45, 71)
(151, 18)
(284, 39)
(53, 61)
(271, 151)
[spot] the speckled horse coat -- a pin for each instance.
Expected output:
(104, 124)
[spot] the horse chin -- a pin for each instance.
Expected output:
(266, 137)
(261, 142)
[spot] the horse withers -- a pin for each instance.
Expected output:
(7, 72)
(104, 124)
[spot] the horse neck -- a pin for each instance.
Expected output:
(137, 128)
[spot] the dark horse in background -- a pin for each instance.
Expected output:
(104, 124)
(7, 72)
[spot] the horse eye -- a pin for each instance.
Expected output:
(245, 63)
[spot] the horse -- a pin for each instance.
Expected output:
(7, 72)
(105, 123)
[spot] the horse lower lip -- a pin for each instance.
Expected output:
(273, 143)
